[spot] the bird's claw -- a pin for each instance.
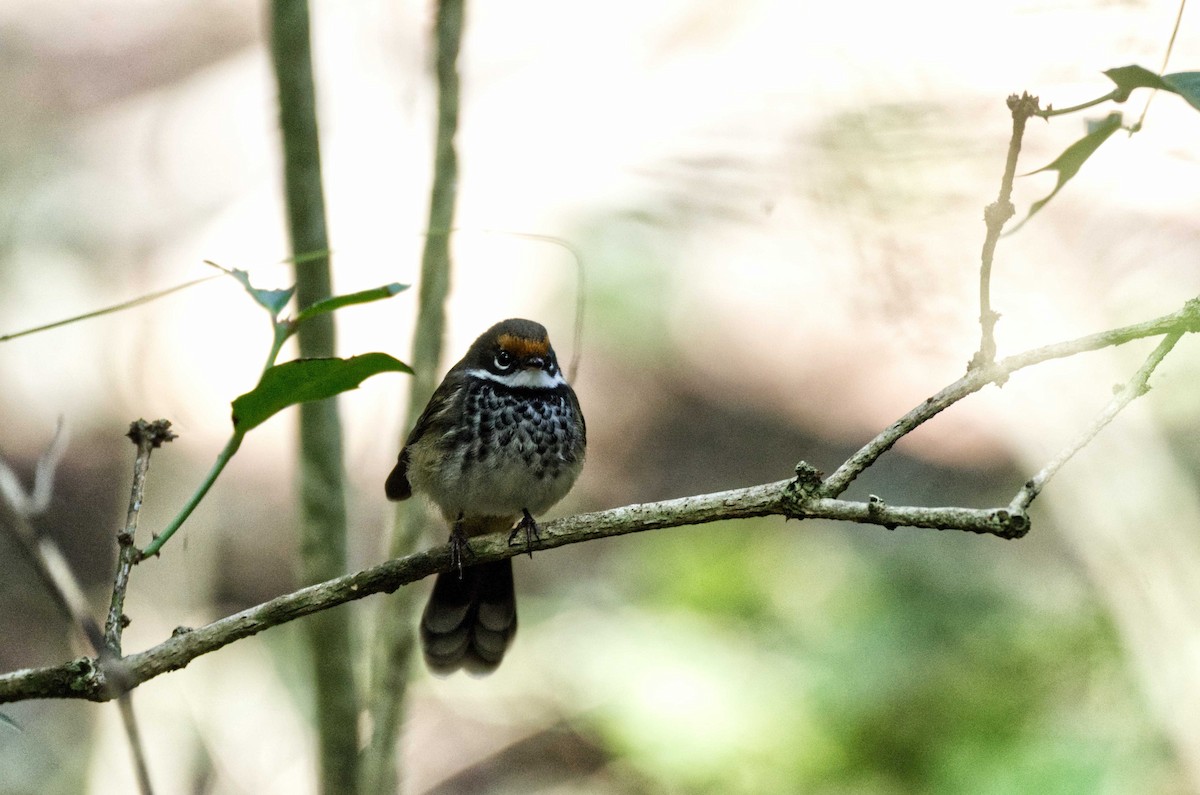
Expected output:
(460, 548)
(532, 531)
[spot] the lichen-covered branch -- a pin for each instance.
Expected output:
(1186, 320)
(806, 496)
(85, 678)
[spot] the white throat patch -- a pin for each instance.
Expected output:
(527, 377)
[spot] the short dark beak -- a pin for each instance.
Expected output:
(536, 361)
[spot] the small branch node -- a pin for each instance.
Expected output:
(985, 360)
(997, 213)
(1191, 315)
(806, 486)
(1024, 106)
(155, 434)
(808, 478)
(1013, 525)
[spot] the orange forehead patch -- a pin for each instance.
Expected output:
(524, 346)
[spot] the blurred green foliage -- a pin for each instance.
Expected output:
(763, 658)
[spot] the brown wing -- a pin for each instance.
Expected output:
(397, 486)
(580, 424)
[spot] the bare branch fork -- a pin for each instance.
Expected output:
(57, 576)
(995, 216)
(806, 496)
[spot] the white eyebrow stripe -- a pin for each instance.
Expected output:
(526, 377)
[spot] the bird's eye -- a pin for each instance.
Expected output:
(504, 360)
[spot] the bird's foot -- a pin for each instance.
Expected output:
(532, 531)
(460, 548)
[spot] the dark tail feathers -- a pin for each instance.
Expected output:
(470, 622)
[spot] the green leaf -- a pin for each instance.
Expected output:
(1186, 85)
(1073, 157)
(303, 380)
(1130, 77)
(1127, 78)
(272, 300)
(339, 301)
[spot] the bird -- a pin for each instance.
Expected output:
(501, 440)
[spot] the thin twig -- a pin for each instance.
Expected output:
(1051, 112)
(223, 458)
(56, 574)
(1136, 387)
(1165, 61)
(995, 215)
(16, 511)
(147, 436)
(107, 310)
(52, 569)
(1186, 319)
(580, 290)
(134, 736)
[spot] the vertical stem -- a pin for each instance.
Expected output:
(129, 720)
(435, 260)
(58, 577)
(392, 656)
(322, 496)
(1162, 69)
(995, 215)
(147, 436)
(156, 544)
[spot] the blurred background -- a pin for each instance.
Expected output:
(778, 207)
